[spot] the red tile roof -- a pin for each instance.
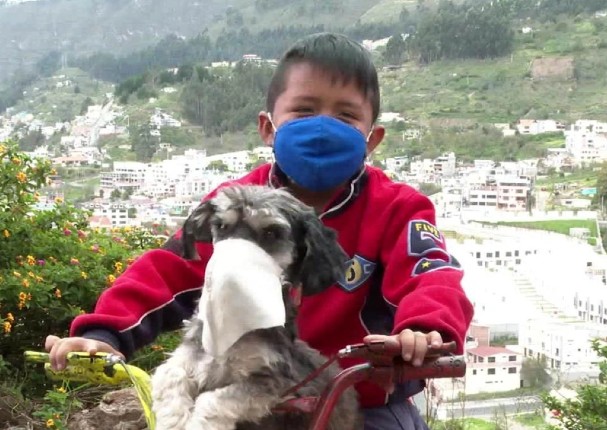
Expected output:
(487, 351)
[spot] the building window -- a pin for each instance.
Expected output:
(512, 370)
(481, 360)
(474, 372)
(491, 371)
(512, 358)
(491, 360)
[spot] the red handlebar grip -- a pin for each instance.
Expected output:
(440, 367)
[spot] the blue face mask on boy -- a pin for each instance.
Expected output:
(319, 152)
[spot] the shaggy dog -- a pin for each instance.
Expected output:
(238, 389)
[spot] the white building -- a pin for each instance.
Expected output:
(237, 162)
(564, 345)
(433, 170)
(586, 141)
(125, 175)
(492, 369)
(396, 164)
(117, 213)
(534, 126)
(161, 119)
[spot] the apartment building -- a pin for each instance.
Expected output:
(564, 345)
(125, 175)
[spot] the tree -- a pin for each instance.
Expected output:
(428, 188)
(589, 409)
(534, 374)
(395, 50)
(601, 187)
(115, 195)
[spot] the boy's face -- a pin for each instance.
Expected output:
(309, 91)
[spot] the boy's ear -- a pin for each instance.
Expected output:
(375, 138)
(265, 129)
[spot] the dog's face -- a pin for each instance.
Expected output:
(281, 225)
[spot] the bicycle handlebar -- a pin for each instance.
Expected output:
(383, 365)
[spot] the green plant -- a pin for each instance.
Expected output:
(53, 266)
(589, 408)
(56, 407)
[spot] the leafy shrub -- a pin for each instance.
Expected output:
(589, 409)
(53, 265)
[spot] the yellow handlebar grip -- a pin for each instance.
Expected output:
(36, 357)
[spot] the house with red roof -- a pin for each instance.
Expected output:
(492, 369)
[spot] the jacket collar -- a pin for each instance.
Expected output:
(278, 179)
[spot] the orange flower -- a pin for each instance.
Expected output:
(16, 161)
(50, 423)
(21, 177)
(58, 200)
(16, 274)
(118, 267)
(58, 293)
(25, 283)
(84, 275)
(22, 296)
(6, 233)
(31, 260)
(10, 318)
(7, 327)
(111, 279)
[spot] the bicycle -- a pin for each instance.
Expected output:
(383, 365)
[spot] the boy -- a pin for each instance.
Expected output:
(322, 105)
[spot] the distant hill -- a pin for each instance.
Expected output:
(30, 30)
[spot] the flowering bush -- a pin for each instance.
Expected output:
(53, 266)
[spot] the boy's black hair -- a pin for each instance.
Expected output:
(335, 53)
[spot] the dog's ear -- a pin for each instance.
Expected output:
(197, 228)
(322, 259)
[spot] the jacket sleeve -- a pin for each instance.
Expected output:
(421, 279)
(156, 293)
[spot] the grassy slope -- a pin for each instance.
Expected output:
(52, 104)
(288, 14)
(558, 226)
(501, 90)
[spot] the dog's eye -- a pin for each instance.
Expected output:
(271, 233)
(220, 225)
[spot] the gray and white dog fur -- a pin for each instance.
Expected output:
(195, 391)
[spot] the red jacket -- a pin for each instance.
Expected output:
(400, 276)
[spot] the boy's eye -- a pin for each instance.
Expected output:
(304, 110)
(348, 116)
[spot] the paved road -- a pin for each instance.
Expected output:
(490, 408)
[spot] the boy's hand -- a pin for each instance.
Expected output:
(59, 348)
(414, 344)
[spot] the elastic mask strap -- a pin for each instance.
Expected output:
(368, 135)
(272, 122)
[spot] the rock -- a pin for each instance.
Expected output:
(12, 414)
(118, 410)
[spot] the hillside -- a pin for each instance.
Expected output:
(522, 85)
(555, 70)
(30, 30)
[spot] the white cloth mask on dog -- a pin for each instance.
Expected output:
(242, 292)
